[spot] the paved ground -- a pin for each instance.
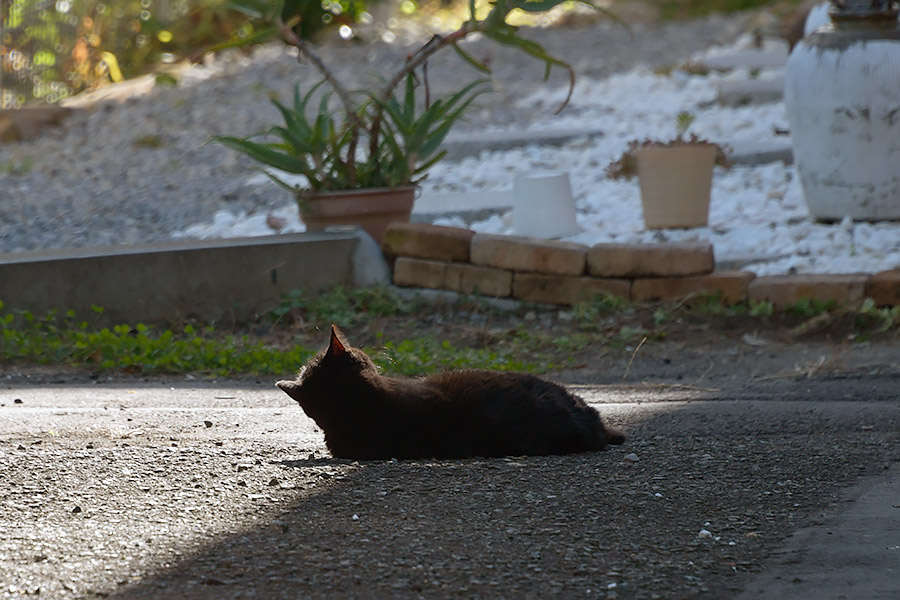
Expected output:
(742, 480)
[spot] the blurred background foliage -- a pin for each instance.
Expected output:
(52, 49)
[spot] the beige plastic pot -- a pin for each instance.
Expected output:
(675, 185)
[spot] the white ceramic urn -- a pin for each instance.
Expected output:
(842, 95)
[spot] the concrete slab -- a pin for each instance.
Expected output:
(215, 280)
(469, 205)
(759, 153)
(750, 91)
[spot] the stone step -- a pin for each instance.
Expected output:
(750, 91)
(471, 206)
(472, 143)
(773, 54)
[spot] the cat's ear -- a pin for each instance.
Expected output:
(291, 388)
(337, 345)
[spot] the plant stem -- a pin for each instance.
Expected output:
(418, 58)
(357, 124)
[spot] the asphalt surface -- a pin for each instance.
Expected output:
(170, 488)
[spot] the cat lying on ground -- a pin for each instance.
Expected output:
(456, 414)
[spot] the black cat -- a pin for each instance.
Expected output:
(449, 415)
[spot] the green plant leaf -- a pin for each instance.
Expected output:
(428, 164)
(409, 101)
(467, 95)
(264, 154)
(295, 123)
(472, 60)
(506, 35)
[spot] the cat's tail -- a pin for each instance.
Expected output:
(614, 436)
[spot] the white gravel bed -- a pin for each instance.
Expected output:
(145, 171)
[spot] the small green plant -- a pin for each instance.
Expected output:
(293, 301)
(588, 315)
(761, 308)
(625, 167)
(683, 122)
(571, 343)
(810, 307)
(17, 168)
(882, 318)
(660, 316)
(628, 334)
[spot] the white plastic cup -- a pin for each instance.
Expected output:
(543, 206)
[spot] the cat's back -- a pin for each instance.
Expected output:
(477, 382)
(517, 413)
(502, 395)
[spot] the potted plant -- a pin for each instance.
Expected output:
(380, 143)
(675, 176)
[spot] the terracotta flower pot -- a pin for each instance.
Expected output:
(372, 209)
(675, 185)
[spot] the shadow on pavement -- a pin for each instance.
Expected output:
(717, 484)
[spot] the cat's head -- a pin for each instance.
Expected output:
(336, 365)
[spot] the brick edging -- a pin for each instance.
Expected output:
(553, 272)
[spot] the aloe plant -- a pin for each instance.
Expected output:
(313, 142)
(402, 133)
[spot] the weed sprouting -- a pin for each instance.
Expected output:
(588, 315)
(810, 307)
(17, 168)
(879, 319)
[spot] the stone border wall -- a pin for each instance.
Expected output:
(460, 260)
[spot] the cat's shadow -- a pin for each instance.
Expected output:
(302, 463)
(473, 461)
